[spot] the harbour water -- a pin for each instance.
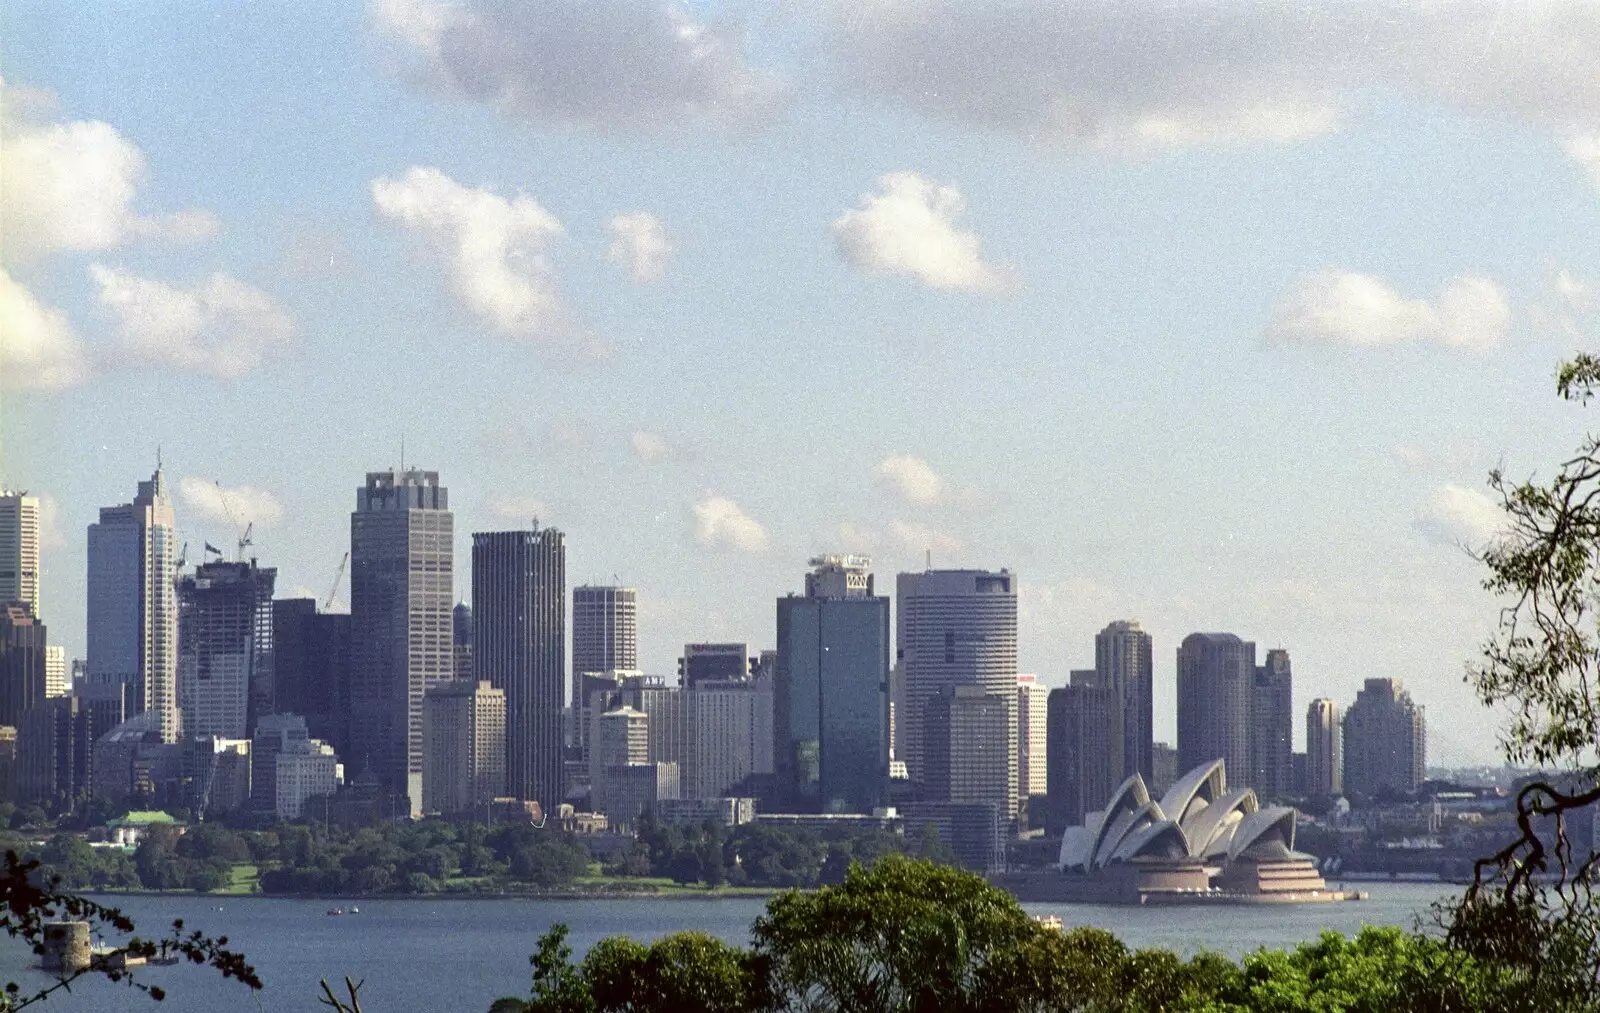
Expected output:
(425, 955)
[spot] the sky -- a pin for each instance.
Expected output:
(1211, 316)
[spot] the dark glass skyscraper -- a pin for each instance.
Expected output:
(311, 669)
(519, 645)
(1216, 677)
(1084, 749)
(831, 690)
(1123, 660)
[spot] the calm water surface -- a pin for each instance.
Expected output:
(436, 955)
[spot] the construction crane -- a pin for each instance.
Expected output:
(338, 576)
(244, 541)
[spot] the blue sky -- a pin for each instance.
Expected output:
(1211, 316)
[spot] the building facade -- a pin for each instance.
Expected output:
(1032, 736)
(713, 663)
(401, 634)
(1124, 660)
(464, 746)
(719, 751)
(1324, 749)
(967, 739)
(23, 643)
(225, 655)
(132, 602)
(830, 690)
(1216, 679)
(605, 632)
(519, 643)
(621, 739)
(1385, 740)
(1084, 729)
(957, 628)
(311, 669)
(19, 549)
(57, 678)
(1272, 728)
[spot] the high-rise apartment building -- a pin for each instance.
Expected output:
(1123, 660)
(401, 636)
(519, 644)
(19, 549)
(225, 656)
(713, 663)
(1032, 733)
(957, 628)
(1084, 729)
(133, 605)
(1324, 752)
(830, 704)
(1385, 740)
(56, 680)
(311, 669)
(464, 746)
(22, 669)
(1272, 728)
(605, 632)
(1216, 678)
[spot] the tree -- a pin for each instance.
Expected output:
(682, 971)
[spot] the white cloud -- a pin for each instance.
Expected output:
(221, 327)
(650, 446)
(236, 505)
(719, 523)
(51, 537)
(639, 242)
(911, 479)
(1357, 309)
(493, 251)
(516, 509)
(38, 350)
(909, 228)
(1455, 515)
(1585, 150)
(72, 186)
(603, 64)
(1136, 75)
(911, 537)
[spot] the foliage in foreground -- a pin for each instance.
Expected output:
(908, 936)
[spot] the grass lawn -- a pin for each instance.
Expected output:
(243, 880)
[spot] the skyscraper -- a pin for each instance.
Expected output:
(401, 640)
(1385, 740)
(1272, 727)
(1084, 729)
(133, 607)
(464, 752)
(1123, 660)
(719, 733)
(605, 632)
(966, 738)
(1324, 756)
(1216, 676)
(831, 690)
(461, 624)
(56, 680)
(19, 549)
(713, 663)
(1032, 732)
(957, 628)
(311, 669)
(519, 644)
(225, 657)
(22, 650)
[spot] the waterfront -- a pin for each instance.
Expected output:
(430, 954)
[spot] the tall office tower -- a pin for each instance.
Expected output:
(23, 643)
(719, 747)
(225, 648)
(831, 690)
(713, 663)
(1032, 731)
(1123, 660)
(1084, 730)
(1272, 728)
(311, 669)
(55, 753)
(461, 625)
(19, 549)
(1164, 768)
(957, 628)
(1324, 755)
(897, 711)
(133, 602)
(664, 705)
(464, 746)
(401, 637)
(605, 632)
(519, 644)
(765, 681)
(1385, 740)
(1216, 676)
(968, 738)
(56, 682)
(274, 734)
(621, 739)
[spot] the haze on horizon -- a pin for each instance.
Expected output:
(1210, 316)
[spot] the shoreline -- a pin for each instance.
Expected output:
(739, 893)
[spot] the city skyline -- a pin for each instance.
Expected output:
(1107, 336)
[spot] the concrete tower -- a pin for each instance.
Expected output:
(1123, 660)
(19, 549)
(225, 656)
(1324, 753)
(1385, 740)
(1216, 676)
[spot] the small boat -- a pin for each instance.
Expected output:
(355, 910)
(335, 911)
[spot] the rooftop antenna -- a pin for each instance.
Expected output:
(929, 554)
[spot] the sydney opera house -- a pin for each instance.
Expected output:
(1199, 843)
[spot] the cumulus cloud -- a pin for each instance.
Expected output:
(237, 505)
(650, 446)
(910, 479)
(1456, 515)
(720, 523)
(1585, 150)
(610, 65)
(221, 327)
(493, 252)
(640, 244)
(51, 537)
(72, 186)
(516, 509)
(1130, 76)
(909, 228)
(911, 537)
(38, 349)
(1357, 309)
